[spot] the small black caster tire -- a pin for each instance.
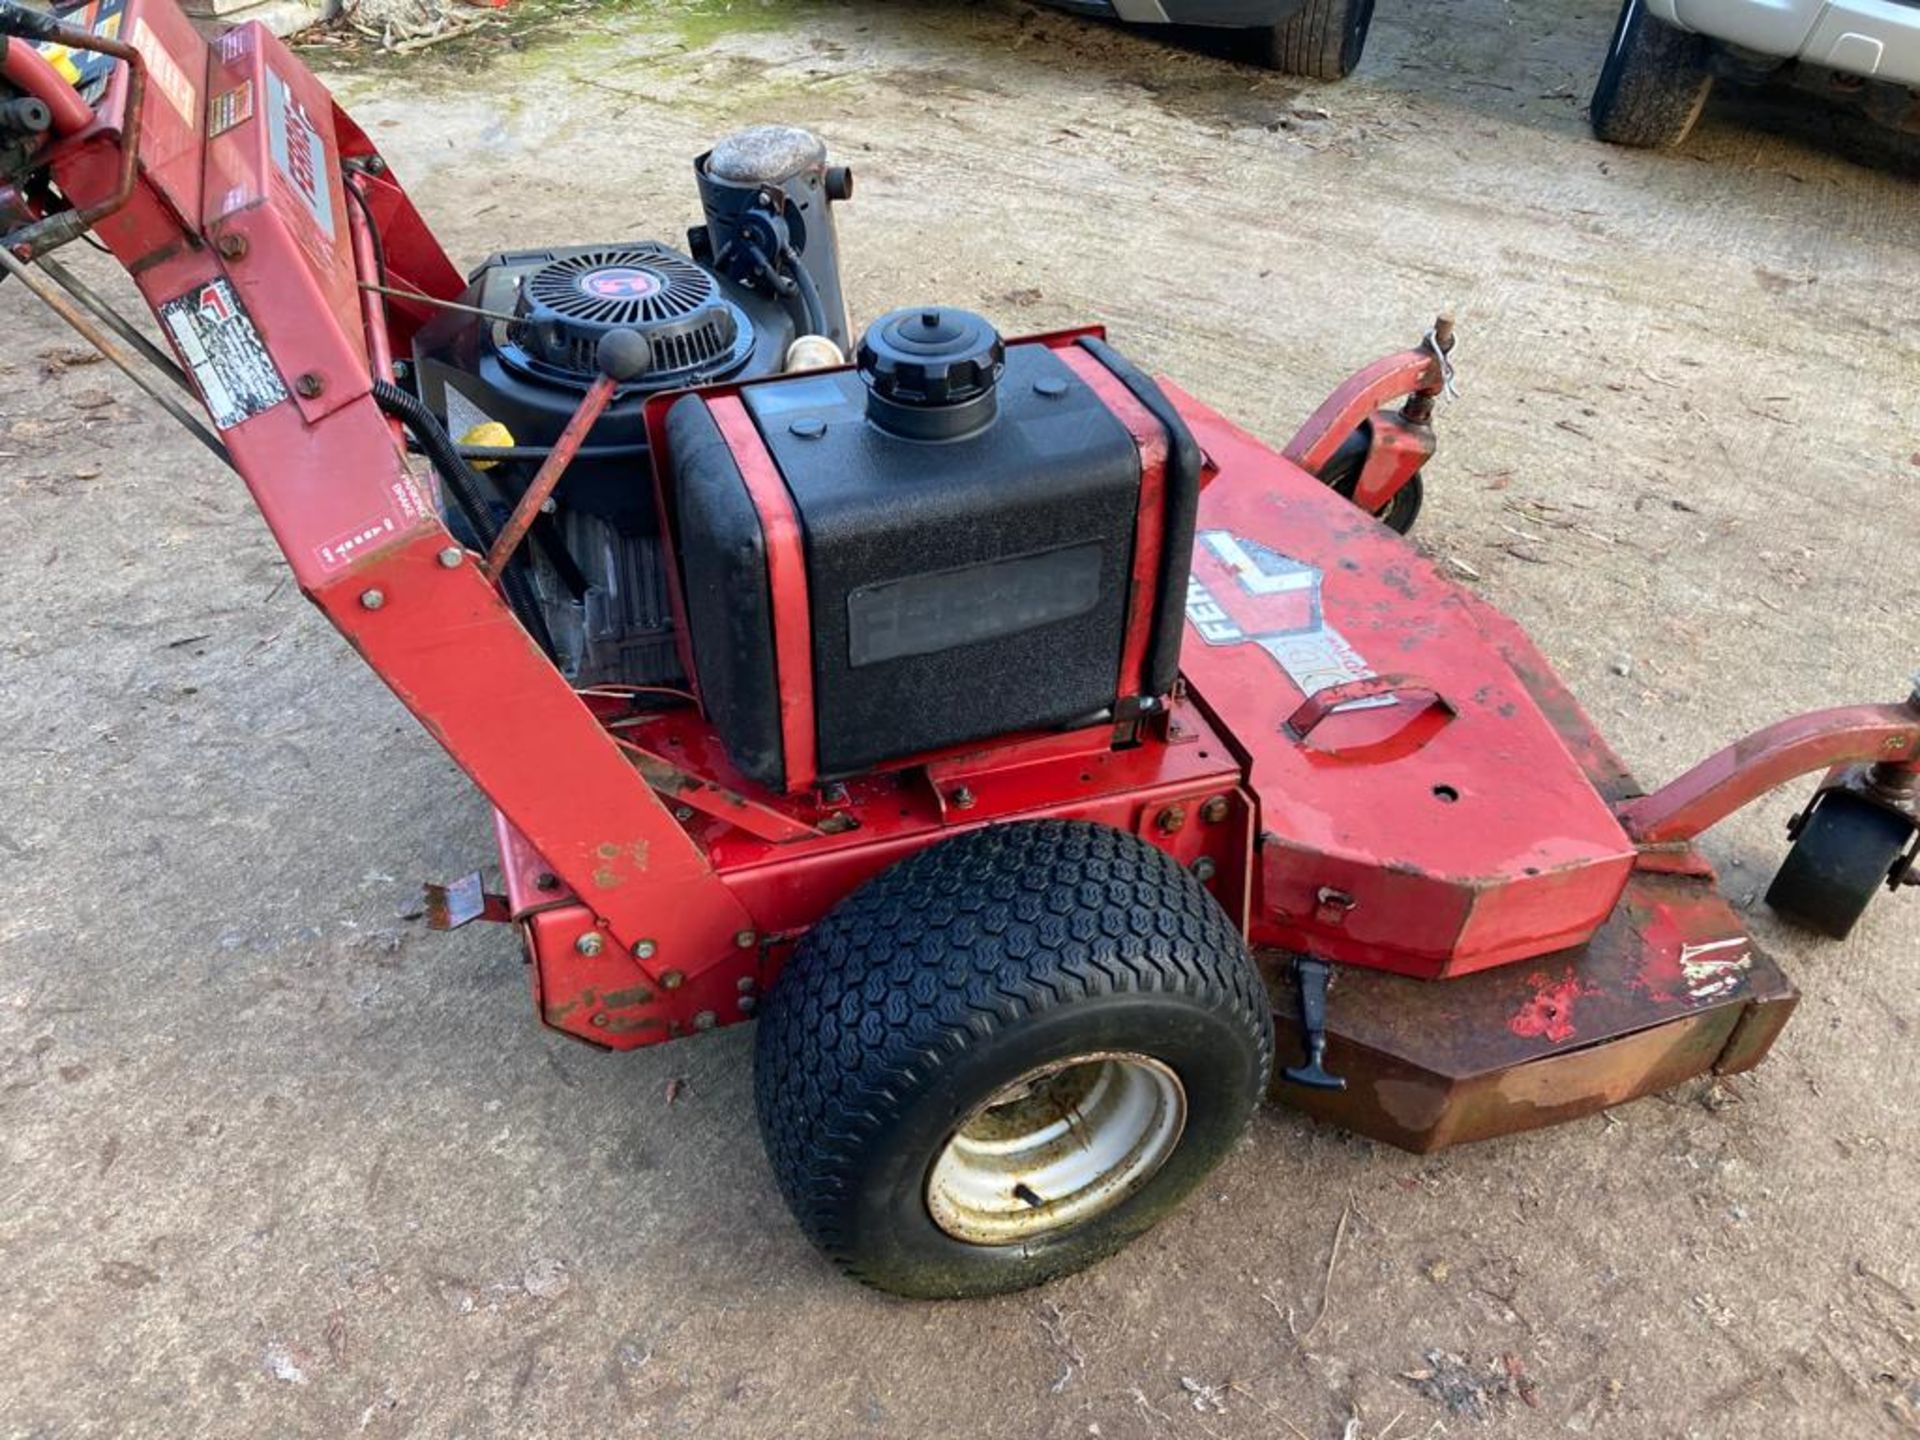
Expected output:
(1006, 1057)
(1653, 84)
(1341, 474)
(1843, 856)
(1322, 40)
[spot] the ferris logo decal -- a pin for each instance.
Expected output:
(299, 153)
(1257, 596)
(210, 328)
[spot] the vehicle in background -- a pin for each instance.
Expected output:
(1667, 54)
(1318, 39)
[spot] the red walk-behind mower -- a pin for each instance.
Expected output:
(1010, 733)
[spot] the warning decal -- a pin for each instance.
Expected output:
(229, 108)
(210, 329)
(1261, 597)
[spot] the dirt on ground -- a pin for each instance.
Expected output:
(274, 1160)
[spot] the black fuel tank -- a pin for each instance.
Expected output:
(969, 520)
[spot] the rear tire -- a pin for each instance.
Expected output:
(1843, 856)
(1020, 987)
(1653, 84)
(1322, 40)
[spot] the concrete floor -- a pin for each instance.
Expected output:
(275, 1161)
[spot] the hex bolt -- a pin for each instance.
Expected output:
(231, 246)
(1171, 819)
(546, 880)
(451, 557)
(372, 599)
(683, 813)
(310, 386)
(375, 165)
(705, 1020)
(746, 940)
(672, 980)
(748, 1004)
(962, 798)
(589, 943)
(745, 985)
(600, 1020)
(1204, 869)
(1215, 810)
(644, 949)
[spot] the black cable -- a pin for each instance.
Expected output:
(373, 231)
(809, 292)
(469, 494)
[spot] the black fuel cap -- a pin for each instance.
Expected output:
(930, 371)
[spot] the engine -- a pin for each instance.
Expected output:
(759, 291)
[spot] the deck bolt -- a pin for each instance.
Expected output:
(546, 880)
(310, 386)
(372, 599)
(644, 949)
(748, 1004)
(1171, 819)
(705, 1020)
(962, 798)
(1215, 810)
(745, 985)
(451, 557)
(231, 246)
(672, 980)
(746, 940)
(589, 943)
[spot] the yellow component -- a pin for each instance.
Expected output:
(491, 434)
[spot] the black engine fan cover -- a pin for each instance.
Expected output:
(565, 307)
(529, 371)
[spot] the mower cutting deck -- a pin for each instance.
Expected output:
(1009, 733)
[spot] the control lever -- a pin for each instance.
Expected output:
(1312, 977)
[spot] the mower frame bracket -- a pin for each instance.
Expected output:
(1751, 767)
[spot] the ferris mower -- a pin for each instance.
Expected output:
(1010, 733)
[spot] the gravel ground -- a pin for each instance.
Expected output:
(274, 1161)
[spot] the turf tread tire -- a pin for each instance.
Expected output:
(934, 963)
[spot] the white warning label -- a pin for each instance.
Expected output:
(210, 329)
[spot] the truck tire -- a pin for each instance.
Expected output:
(1006, 1057)
(1653, 84)
(1322, 40)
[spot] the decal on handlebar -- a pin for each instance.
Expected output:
(217, 340)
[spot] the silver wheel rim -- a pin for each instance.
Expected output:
(1060, 1145)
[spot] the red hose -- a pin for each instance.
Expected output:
(27, 68)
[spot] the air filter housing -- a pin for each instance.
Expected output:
(567, 305)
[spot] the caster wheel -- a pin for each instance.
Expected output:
(1341, 474)
(1006, 1057)
(1843, 856)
